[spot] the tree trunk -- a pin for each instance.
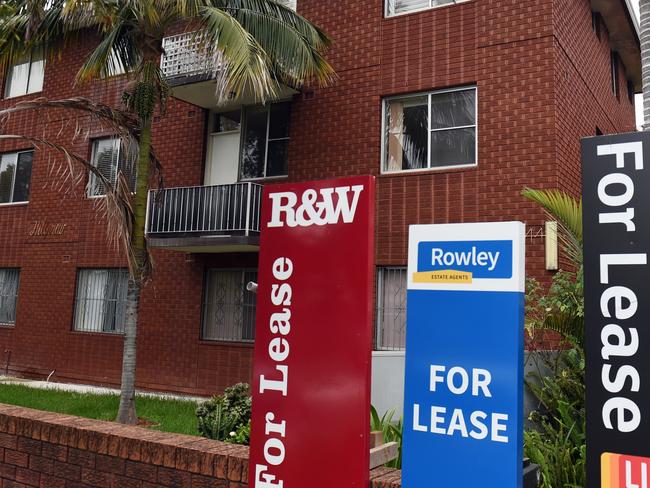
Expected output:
(644, 8)
(127, 413)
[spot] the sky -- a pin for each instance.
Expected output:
(639, 98)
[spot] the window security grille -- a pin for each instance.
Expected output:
(228, 308)
(9, 279)
(391, 309)
(101, 300)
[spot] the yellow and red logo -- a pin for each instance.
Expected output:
(620, 471)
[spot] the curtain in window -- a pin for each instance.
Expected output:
(391, 309)
(111, 156)
(229, 309)
(7, 173)
(8, 295)
(101, 300)
(407, 126)
(401, 6)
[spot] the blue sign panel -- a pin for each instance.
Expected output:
(463, 404)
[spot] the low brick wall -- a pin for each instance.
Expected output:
(48, 450)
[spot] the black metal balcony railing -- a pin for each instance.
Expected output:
(205, 210)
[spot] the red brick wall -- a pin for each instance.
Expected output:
(47, 450)
(543, 82)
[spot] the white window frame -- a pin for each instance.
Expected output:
(13, 181)
(92, 178)
(387, 13)
(242, 140)
(429, 95)
(10, 79)
(17, 270)
(379, 306)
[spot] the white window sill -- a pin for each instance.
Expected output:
(424, 9)
(263, 179)
(14, 204)
(435, 169)
(382, 353)
(22, 95)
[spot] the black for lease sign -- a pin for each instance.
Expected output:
(616, 194)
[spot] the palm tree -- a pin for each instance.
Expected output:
(263, 44)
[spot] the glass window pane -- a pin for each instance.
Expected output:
(391, 309)
(17, 78)
(254, 148)
(406, 133)
(105, 158)
(227, 122)
(453, 109)
(229, 309)
(7, 172)
(401, 6)
(280, 119)
(8, 295)
(37, 72)
(453, 147)
(128, 161)
(277, 164)
(100, 300)
(23, 176)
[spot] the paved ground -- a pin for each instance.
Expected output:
(93, 390)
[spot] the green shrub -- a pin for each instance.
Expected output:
(227, 417)
(557, 440)
(556, 437)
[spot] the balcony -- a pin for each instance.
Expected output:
(192, 70)
(205, 219)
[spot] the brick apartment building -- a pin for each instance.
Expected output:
(455, 106)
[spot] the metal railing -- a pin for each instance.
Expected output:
(187, 55)
(205, 210)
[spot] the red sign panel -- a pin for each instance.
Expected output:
(311, 380)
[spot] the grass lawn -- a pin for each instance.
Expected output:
(166, 415)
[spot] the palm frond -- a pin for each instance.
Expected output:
(294, 46)
(568, 213)
(245, 65)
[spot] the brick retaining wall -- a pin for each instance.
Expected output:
(49, 450)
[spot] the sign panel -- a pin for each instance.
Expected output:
(616, 221)
(463, 404)
(311, 380)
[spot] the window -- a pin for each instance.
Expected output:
(431, 130)
(630, 92)
(8, 295)
(15, 176)
(614, 68)
(265, 141)
(396, 7)
(100, 303)
(228, 308)
(115, 66)
(110, 156)
(26, 75)
(595, 23)
(391, 309)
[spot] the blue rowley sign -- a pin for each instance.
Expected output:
(463, 403)
(483, 259)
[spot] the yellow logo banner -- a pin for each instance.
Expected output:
(444, 276)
